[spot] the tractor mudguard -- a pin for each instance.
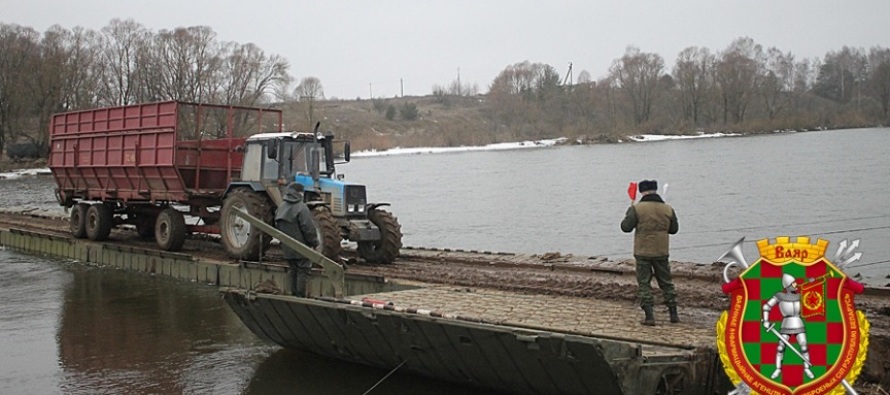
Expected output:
(371, 206)
(255, 186)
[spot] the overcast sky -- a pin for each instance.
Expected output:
(361, 47)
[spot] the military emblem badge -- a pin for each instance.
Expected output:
(792, 326)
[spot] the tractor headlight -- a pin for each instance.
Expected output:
(355, 208)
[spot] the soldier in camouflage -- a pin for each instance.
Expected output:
(653, 220)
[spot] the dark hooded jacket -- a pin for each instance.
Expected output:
(653, 220)
(294, 219)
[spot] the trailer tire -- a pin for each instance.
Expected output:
(237, 235)
(328, 233)
(387, 248)
(98, 222)
(77, 222)
(170, 230)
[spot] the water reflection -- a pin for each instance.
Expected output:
(128, 333)
(290, 371)
(71, 329)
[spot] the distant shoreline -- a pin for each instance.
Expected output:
(14, 169)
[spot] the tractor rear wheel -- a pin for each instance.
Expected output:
(239, 237)
(78, 220)
(387, 248)
(328, 233)
(170, 230)
(98, 222)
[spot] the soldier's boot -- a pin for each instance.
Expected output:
(292, 276)
(650, 316)
(675, 318)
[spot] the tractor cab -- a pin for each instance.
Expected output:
(270, 157)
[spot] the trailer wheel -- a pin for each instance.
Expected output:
(238, 236)
(170, 230)
(387, 248)
(98, 222)
(78, 220)
(328, 233)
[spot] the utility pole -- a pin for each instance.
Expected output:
(402, 85)
(569, 76)
(370, 91)
(459, 88)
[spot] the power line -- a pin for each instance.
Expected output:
(794, 224)
(868, 264)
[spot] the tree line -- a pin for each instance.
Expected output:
(124, 63)
(743, 88)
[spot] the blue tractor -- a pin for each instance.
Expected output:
(341, 209)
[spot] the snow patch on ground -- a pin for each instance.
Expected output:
(11, 175)
(442, 150)
(661, 137)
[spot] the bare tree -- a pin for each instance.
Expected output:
(526, 94)
(81, 82)
(47, 83)
(737, 77)
(637, 74)
(842, 75)
(183, 64)
(250, 74)
(692, 73)
(121, 41)
(307, 92)
(309, 87)
(19, 48)
(777, 81)
(879, 79)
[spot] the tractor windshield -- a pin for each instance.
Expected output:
(295, 158)
(303, 157)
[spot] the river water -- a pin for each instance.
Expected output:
(571, 199)
(70, 329)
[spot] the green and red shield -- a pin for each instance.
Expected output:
(833, 332)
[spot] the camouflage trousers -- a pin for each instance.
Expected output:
(659, 266)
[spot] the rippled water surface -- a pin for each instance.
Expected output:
(571, 199)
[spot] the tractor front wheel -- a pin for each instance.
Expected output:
(239, 237)
(387, 248)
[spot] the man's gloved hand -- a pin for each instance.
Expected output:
(765, 324)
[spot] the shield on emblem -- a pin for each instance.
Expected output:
(823, 301)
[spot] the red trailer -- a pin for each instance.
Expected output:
(137, 164)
